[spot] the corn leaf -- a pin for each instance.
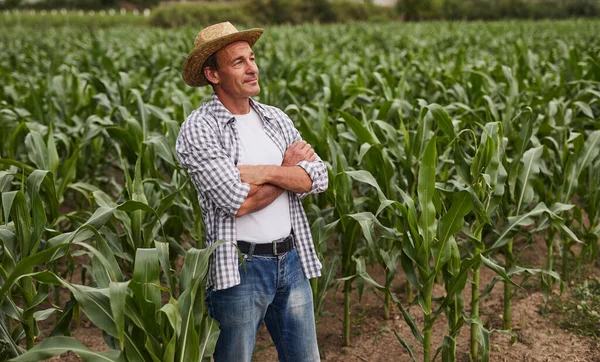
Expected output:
(57, 345)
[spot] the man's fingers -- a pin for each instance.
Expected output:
(294, 146)
(304, 146)
(299, 151)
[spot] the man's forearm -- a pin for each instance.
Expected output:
(258, 198)
(293, 178)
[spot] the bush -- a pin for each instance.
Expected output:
(276, 11)
(72, 19)
(493, 10)
(353, 11)
(200, 15)
(267, 12)
(63, 4)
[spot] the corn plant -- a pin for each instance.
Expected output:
(131, 313)
(424, 257)
(95, 115)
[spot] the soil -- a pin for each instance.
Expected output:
(535, 336)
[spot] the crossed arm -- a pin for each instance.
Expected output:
(268, 182)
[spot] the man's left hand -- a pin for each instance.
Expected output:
(252, 174)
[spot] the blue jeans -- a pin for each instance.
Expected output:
(273, 289)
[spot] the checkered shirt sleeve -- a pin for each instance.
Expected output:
(220, 191)
(212, 170)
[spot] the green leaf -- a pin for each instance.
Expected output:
(53, 158)
(426, 188)
(458, 282)
(363, 132)
(9, 345)
(585, 109)
(37, 149)
(209, 337)
(20, 215)
(146, 274)
(103, 271)
(584, 159)
(27, 264)
(68, 170)
(531, 168)
(498, 270)
(321, 232)
(163, 257)
(366, 177)
(483, 337)
(57, 345)
(10, 162)
(174, 319)
(141, 113)
(409, 271)
(410, 214)
(408, 319)
(193, 273)
(61, 326)
(118, 295)
(443, 120)
(41, 315)
(131, 206)
(366, 220)
(424, 133)
(451, 223)
(515, 222)
(163, 149)
(408, 346)
(96, 305)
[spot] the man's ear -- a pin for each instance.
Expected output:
(212, 75)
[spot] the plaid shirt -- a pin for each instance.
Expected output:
(208, 146)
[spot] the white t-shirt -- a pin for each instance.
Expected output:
(272, 222)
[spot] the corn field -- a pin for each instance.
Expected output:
(444, 143)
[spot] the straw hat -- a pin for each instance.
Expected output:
(208, 41)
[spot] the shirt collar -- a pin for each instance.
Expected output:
(225, 116)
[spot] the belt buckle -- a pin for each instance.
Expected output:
(274, 247)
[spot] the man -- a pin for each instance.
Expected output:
(251, 169)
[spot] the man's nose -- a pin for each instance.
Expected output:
(252, 68)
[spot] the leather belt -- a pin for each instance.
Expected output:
(275, 248)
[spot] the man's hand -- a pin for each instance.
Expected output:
(298, 151)
(252, 174)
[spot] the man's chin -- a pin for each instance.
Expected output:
(255, 91)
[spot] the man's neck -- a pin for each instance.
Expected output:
(235, 105)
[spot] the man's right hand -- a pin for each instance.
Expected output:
(298, 151)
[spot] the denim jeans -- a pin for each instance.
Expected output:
(273, 289)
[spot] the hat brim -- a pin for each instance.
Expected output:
(193, 74)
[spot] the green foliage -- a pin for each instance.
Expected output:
(442, 149)
(73, 19)
(76, 4)
(66, 4)
(348, 11)
(200, 15)
(265, 12)
(495, 9)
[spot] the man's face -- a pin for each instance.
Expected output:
(238, 74)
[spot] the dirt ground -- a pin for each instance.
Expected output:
(537, 338)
